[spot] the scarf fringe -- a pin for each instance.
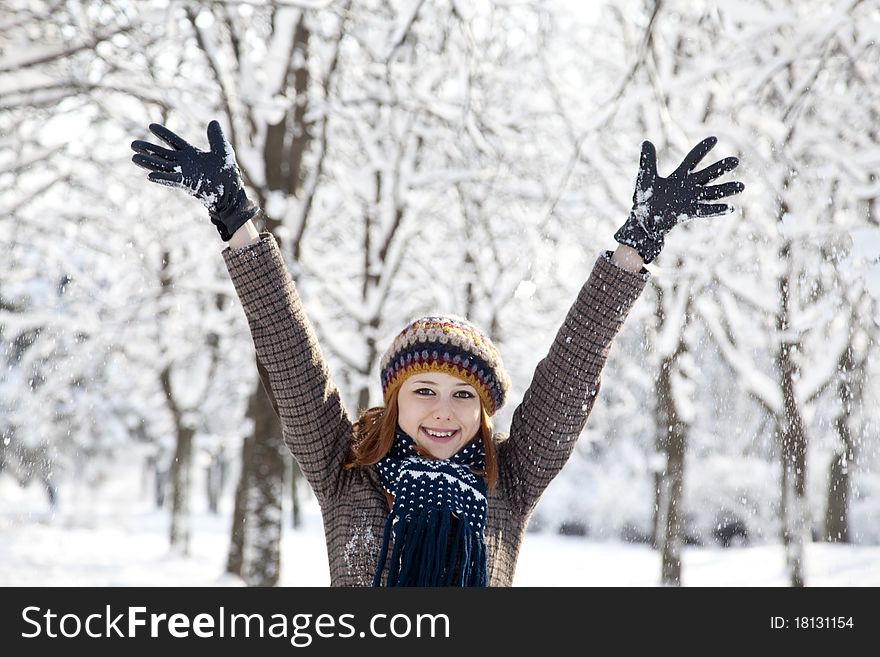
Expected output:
(423, 555)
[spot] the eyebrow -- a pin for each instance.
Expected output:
(434, 383)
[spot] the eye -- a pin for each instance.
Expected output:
(465, 394)
(424, 392)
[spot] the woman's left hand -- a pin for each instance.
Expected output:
(659, 204)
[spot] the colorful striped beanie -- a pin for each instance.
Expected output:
(450, 344)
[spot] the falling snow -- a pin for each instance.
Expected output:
(480, 185)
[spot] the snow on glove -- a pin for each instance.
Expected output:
(211, 176)
(659, 203)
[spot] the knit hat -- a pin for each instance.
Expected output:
(450, 344)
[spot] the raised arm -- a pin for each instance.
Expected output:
(566, 382)
(316, 428)
(315, 425)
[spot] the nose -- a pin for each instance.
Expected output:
(442, 409)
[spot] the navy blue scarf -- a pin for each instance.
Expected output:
(438, 517)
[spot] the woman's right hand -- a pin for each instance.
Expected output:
(211, 176)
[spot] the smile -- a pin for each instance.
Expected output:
(442, 436)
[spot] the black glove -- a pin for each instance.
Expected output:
(211, 176)
(661, 203)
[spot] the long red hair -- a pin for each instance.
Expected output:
(376, 428)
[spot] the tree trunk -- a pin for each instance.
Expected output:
(296, 476)
(180, 489)
(235, 558)
(659, 519)
(837, 508)
(157, 476)
(180, 470)
(216, 480)
(793, 447)
(671, 441)
(793, 529)
(262, 533)
(255, 545)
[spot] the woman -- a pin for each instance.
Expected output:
(420, 492)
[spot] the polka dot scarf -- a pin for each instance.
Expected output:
(437, 520)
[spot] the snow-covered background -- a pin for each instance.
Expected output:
(468, 157)
(113, 538)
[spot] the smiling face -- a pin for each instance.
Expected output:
(440, 412)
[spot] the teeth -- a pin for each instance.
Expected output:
(439, 434)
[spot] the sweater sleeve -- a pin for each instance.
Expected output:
(555, 407)
(314, 423)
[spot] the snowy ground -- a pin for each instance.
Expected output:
(109, 547)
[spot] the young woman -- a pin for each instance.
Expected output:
(420, 492)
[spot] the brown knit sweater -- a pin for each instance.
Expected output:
(318, 431)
